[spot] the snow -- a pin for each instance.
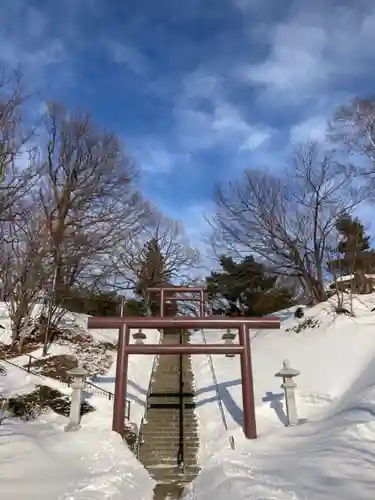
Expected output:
(139, 370)
(139, 373)
(349, 277)
(329, 455)
(41, 461)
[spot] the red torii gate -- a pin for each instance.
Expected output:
(168, 289)
(242, 324)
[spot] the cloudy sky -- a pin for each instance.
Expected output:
(199, 89)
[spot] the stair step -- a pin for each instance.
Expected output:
(189, 446)
(169, 425)
(152, 462)
(170, 450)
(170, 443)
(171, 394)
(161, 432)
(170, 404)
(169, 412)
(165, 434)
(166, 456)
(176, 470)
(160, 455)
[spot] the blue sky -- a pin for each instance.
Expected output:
(198, 90)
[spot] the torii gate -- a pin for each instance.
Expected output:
(168, 289)
(242, 324)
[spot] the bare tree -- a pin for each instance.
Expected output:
(287, 219)
(17, 154)
(15, 132)
(88, 197)
(353, 128)
(24, 271)
(179, 258)
(18, 172)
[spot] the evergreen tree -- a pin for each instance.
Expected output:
(247, 284)
(354, 253)
(134, 307)
(152, 273)
(83, 300)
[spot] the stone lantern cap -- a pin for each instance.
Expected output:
(287, 371)
(78, 372)
(139, 334)
(229, 335)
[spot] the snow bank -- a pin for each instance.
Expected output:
(139, 374)
(40, 461)
(331, 455)
(140, 367)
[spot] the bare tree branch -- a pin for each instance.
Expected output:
(179, 257)
(287, 220)
(88, 197)
(24, 272)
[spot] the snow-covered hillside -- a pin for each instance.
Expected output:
(41, 461)
(329, 455)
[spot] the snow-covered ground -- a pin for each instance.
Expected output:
(139, 373)
(139, 370)
(39, 460)
(331, 454)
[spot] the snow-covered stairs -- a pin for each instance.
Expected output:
(159, 452)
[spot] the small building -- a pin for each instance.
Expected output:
(358, 283)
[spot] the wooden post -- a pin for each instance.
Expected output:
(121, 380)
(249, 421)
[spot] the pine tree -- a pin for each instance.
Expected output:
(354, 253)
(152, 273)
(248, 284)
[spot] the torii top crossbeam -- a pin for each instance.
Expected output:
(190, 322)
(175, 289)
(175, 293)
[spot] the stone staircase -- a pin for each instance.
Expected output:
(159, 452)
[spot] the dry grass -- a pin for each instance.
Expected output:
(43, 399)
(31, 343)
(55, 367)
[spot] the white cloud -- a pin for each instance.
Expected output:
(201, 84)
(129, 56)
(154, 158)
(246, 5)
(205, 118)
(314, 49)
(229, 123)
(32, 59)
(313, 128)
(295, 64)
(256, 139)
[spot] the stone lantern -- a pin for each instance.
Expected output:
(4, 413)
(228, 338)
(287, 374)
(139, 337)
(78, 374)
